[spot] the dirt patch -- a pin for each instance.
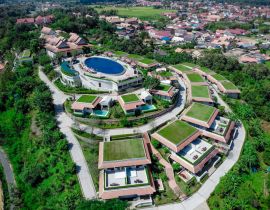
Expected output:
(266, 126)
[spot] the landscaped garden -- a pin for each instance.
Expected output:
(130, 98)
(219, 77)
(86, 99)
(182, 68)
(201, 112)
(229, 85)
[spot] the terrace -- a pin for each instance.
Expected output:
(130, 98)
(126, 177)
(182, 68)
(86, 99)
(206, 70)
(219, 77)
(196, 151)
(228, 85)
(220, 126)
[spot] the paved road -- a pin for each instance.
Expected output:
(9, 175)
(65, 124)
(198, 199)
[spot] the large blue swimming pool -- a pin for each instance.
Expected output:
(104, 65)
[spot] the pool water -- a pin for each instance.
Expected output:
(100, 113)
(147, 108)
(104, 65)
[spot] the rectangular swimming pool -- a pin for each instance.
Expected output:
(100, 113)
(148, 108)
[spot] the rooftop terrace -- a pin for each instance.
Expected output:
(124, 150)
(182, 68)
(177, 131)
(200, 91)
(196, 151)
(229, 85)
(201, 112)
(220, 125)
(87, 99)
(219, 77)
(130, 98)
(193, 77)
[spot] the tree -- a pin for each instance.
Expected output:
(151, 83)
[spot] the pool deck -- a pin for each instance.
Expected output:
(129, 71)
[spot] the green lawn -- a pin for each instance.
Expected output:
(219, 77)
(201, 111)
(206, 70)
(166, 74)
(200, 91)
(191, 65)
(182, 68)
(26, 53)
(268, 63)
(193, 77)
(134, 56)
(164, 87)
(144, 13)
(123, 150)
(229, 85)
(119, 53)
(130, 98)
(86, 99)
(147, 61)
(177, 131)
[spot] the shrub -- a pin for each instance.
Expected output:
(156, 143)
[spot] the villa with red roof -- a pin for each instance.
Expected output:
(56, 44)
(124, 171)
(165, 92)
(187, 146)
(207, 120)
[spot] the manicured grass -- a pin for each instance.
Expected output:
(177, 131)
(200, 91)
(206, 70)
(166, 74)
(87, 99)
(191, 65)
(119, 53)
(134, 56)
(123, 150)
(229, 85)
(164, 87)
(145, 13)
(147, 61)
(219, 77)
(182, 68)
(195, 77)
(201, 111)
(268, 63)
(130, 98)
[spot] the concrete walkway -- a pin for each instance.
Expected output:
(9, 175)
(65, 123)
(168, 169)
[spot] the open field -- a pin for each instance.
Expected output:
(201, 112)
(144, 13)
(200, 91)
(123, 150)
(177, 131)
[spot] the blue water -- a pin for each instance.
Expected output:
(104, 65)
(148, 107)
(102, 113)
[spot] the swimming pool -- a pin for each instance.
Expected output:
(148, 108)
(100, 113)
(104, 65)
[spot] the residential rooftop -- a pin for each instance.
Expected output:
(124, 150)
(200, 91)
(87, 99)
(194, 77)
(228, 85)
(130, 98)
(201, 112)
(177, 132)
(164, 87)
